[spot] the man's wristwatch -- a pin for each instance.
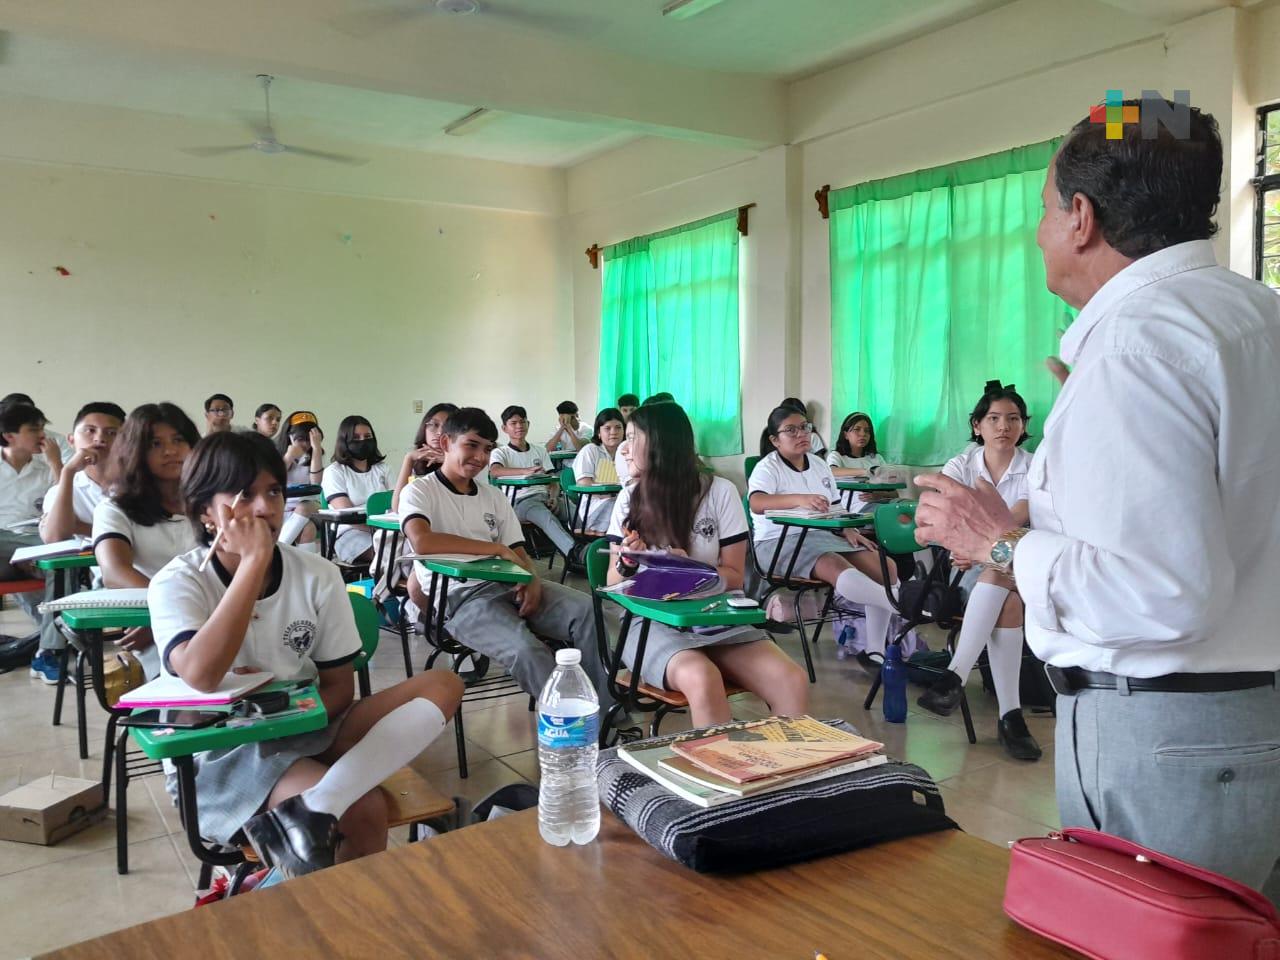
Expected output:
(1001, 557)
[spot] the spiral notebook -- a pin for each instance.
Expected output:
(95, 599)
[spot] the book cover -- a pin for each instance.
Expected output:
(666, 576)
(766, 748)
(687, 769)
(167, 690)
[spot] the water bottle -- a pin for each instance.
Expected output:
(568, 728)
(844, 643)
(893, 680)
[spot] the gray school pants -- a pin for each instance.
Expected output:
(534, 510)
(1194, 775)
(486, 618)
(50, 638)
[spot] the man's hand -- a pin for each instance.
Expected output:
(965, 520)
(52, 454)
(530, 597)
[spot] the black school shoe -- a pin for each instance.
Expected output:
(943, 695)
(294, 838)
(869, 664)
(1017, 739)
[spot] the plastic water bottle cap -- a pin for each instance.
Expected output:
(568, 657)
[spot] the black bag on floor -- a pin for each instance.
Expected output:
(17, 652)
(1033, 685)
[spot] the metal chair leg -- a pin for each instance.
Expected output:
(63, 656)
(404, 642)
(206, 876)
(822, 617)
(108, 755)
(82, 718)
(871, 694)
(122, 804)
(461, 741)
(968, 718)
(804, 641)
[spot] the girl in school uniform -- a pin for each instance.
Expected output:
(266, 420)
(789, 477)
(301, 445)
(140, 526)
(357, 471)
(311, 799)
(427, 453)
(816, 443)
(855, 456)
(594, 464)
(993, 613)
(674, 506)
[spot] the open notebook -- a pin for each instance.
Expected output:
(44, 551)
(96, 599)
(168, 691)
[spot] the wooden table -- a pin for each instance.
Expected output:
(497, 891)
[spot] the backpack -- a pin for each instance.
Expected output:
(17, 652)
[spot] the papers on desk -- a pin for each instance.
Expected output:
(337, 512)
(448, 557)
(836, 514)
(46, 551)
(94, 599)
(169, 691)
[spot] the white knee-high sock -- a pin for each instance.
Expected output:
(292, 527)
(390, 743)
(856, 586)
(980, 616)
(1005, 654)
(877, 621)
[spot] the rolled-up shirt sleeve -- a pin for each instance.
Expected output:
(1142, 559)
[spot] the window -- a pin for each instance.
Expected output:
(1266, 240)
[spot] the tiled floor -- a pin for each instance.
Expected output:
(52, 896)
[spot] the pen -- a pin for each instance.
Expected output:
(711, 606)
(214, 546)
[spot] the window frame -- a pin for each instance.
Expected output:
(1264, 184)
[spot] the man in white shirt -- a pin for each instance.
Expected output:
(1151, 568)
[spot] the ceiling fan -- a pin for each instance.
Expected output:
(386, 17)
(265, 140)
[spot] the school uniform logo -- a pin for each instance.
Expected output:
(826, 482)
(491, 521)
(704, 527)
(299, 636)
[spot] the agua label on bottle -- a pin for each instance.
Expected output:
(566, 732)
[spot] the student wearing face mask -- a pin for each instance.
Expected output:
(301, 445)
(357, 471)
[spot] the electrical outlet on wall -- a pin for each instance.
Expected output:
(417, 406)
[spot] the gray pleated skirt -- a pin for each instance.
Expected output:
(665, 642)
(233, 785)
(817, 544)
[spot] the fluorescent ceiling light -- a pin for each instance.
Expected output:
(683, 9)
(469, 122)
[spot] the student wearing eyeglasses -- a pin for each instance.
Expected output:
(218, 411)
(789, 477)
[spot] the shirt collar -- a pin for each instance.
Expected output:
(1018, 465)
(439, 475)
(273, 581)
(1179, 258)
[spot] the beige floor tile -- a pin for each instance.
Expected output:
(990, 823)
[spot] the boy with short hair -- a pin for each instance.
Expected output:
(569, 434)
(64, 445)
(626, 404)
(520, 458)
(68, 505)
(448, 512)
(25, 476)
(218, 413)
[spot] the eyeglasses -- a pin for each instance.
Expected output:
(801, 431)
(220, 411)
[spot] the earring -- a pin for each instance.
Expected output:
(209, 527)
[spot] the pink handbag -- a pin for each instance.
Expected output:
(1112, 899)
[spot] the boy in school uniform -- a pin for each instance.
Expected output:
(570, 433)
(25, 477)
(627, 403)
(69, 504)
(446, 511)
(218, 413)
(61, 442)
(520, 458)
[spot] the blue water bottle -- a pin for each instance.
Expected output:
(844, 643)
(893, 678)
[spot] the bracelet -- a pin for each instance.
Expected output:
(626, 567)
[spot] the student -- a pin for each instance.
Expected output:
(660, 397)
(218, 411)
(519, 458)
(816, 443)
(993, 613)
(674, 506)
(266, 420)
(789, 477)
(301, 445)
(308, 800)
(65, 449)
(855, 456)
(570, 434)
(448, 512)
(426, 455)
(627, 404)
(357, 471)
(69, 504)
(622, 462)
(25, 477)
(139, 526)
(595, 465)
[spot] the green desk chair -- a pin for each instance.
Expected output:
(749, 465)
(385, 557)
(895, 526)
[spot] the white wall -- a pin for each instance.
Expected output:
(181, 287)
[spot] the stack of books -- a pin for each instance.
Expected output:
(752, 757)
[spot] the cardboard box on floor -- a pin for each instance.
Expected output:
(50, 809)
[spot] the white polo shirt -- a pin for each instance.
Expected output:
(587, 465)
(969, 466)
(718, 522)
(303, 625)
(774, 475)
(86, 494)
(837, 459)
(340, 480)
(22, 492)
(536, 456)
(153, 546)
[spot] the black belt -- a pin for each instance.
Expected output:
(1068, 680)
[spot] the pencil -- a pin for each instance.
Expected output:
(214, 546)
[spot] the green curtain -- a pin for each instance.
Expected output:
(937, 286)
(669, 321)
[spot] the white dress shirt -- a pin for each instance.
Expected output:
(1155, 504)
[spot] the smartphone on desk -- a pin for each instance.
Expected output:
(179, 719)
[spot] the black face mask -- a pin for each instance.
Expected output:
(362, 449)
